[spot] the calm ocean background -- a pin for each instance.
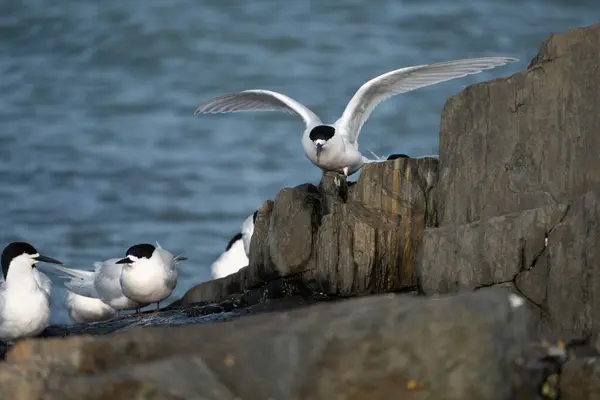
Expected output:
(98, 146)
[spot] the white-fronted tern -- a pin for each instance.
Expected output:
(334, 147)
(25, 293)
(149, 274)
(89, 308)
(237, 253)
(232, 259)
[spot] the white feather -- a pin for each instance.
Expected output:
(231, 261)
(258, 100)
(404, 80)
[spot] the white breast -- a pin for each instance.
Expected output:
(230, 261)
(148, 281)
(25, 313)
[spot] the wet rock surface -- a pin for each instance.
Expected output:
(511, 207)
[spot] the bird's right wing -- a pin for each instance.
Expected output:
(258, 100)
(404, 80)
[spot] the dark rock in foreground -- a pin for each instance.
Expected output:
(382, 347)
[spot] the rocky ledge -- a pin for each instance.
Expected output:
(434, 252)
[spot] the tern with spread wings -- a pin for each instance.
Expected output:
(334, 147)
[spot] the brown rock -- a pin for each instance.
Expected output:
(573, 264)
(526, 141)
(517, 197)
(343, 240)
(580, 380)
(548, 254)
(380, 347)
(294, 218)
(487, 252)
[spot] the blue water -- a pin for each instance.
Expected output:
(98, 146)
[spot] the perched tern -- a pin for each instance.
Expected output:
(25, 293)
(149, 274)
(232, 260)
(334, 147)
(87, 308)
(237, 253)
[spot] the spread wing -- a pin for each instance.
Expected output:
(404, 80)
(258, 100)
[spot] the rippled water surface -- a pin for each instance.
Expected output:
(98, 146)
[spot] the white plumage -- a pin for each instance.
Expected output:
(237, 253)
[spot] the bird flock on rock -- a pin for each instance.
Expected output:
(147, 273)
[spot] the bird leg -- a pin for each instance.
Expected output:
(346, 172)
(157, 306)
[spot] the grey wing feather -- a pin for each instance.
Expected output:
(257, 100)
(107, 282)
(404, 80)
(81, 287)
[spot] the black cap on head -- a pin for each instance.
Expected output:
(143, 250)
(13, 250)
(394, 156)
(324, 132)
(238, 236)
(254, 216)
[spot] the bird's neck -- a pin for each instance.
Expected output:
(21, 277)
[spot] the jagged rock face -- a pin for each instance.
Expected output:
(343, 240)
(518, 197)
(381, 347)
(526, 141)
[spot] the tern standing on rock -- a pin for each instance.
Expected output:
(334, 147)
(237, 253)
(25, 293)
(149, 274)
(83, 309)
